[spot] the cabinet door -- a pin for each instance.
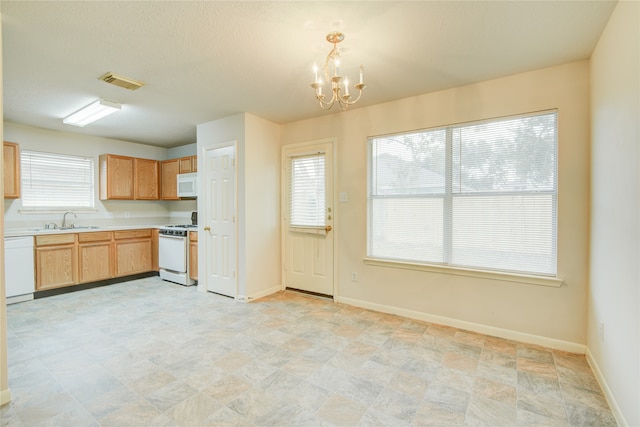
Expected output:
(116, 177)
(11, 170)
(185, 165)
(194, 163)
(170, 169)
(146, 179)
(193, 255)
(133, 257)
(95, 261)
(55, 266)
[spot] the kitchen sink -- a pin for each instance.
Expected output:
(72, 227)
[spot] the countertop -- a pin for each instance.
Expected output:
(80, 229)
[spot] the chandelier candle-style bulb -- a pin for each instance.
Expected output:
(339, 84)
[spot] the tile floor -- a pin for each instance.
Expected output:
(149, 353)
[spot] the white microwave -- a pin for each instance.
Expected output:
(188, 184)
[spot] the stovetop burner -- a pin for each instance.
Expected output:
(176, 230)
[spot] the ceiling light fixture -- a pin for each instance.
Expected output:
(92, 112)
(338, 83)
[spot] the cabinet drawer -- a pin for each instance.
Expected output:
(55, 239)
(99, 236)
(132, 234)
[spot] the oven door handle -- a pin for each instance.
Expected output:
(168, 236)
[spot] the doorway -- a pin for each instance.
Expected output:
(308, 216)
(220, 230)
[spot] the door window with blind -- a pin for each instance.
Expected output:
(307, 203)
(480, 195)
(56, 181)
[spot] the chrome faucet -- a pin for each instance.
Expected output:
(64, 218)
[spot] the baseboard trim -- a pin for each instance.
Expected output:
(5, 397)
(258, 295)
(470, 326)
(611, 400)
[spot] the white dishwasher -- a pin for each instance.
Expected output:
(18, 269)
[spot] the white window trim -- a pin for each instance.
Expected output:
(554, 282)
(39, 211)
(532, 279)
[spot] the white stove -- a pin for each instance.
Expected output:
(173, 253)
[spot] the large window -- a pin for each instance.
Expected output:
(480, 195)
(56, 181)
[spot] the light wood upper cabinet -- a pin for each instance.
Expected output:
(147, 179)
(11, 170)
(129, 178)
(116, 177)
(188, 164)
(169, 171)
(56, 261)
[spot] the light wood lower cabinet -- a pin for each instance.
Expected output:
(193, 255)
(95, 256)
(56, 261)
(75, 258)
(134, 251)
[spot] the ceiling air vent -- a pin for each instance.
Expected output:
(124, 82)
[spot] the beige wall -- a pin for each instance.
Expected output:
(614, 298)
(258, 197)
(5, 395)
(262, 195)
(483, 304)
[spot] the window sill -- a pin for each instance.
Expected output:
(554, 282)
(38, 211)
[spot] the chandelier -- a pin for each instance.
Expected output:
(339, 84)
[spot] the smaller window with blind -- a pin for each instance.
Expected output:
(307, 203)
(479, 195)
(56, 181)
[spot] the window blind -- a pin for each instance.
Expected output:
(480, 195)
(56, 181)
(307, 194)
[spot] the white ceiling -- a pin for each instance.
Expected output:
(202, 61)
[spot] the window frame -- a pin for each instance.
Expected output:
(59, 208)
(447, 197)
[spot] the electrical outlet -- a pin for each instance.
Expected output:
(354, 276)
(601, 331)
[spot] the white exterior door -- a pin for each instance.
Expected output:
(308, 217)
(220, 233)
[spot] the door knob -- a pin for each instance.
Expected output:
(328, 228)
(207, 228)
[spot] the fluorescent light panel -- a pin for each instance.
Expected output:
(92, 112)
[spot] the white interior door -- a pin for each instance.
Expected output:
(220, 233)
(308, 217)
